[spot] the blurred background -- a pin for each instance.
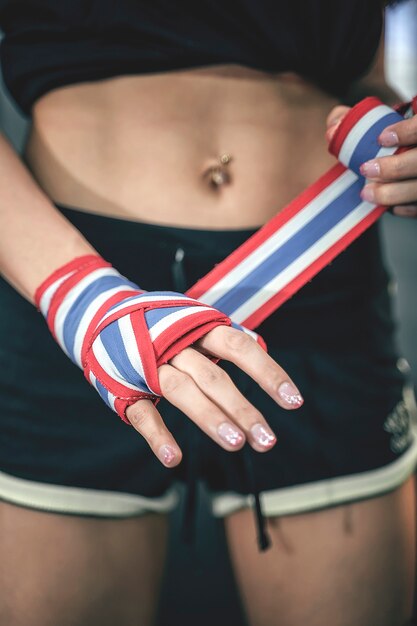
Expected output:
(198, 580)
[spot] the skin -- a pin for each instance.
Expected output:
(391, 179)
(73, 571)
(346, 566)
(124, 147)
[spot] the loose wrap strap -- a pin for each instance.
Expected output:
(273, 264)
(120, 334)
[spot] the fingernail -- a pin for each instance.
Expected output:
(263, 435)
(388, 138)
(405, 210)
(334, 120)
(331, 131)
(368, 194)
(167, 454)
(370, 169)
(229, 434)
(290, 395)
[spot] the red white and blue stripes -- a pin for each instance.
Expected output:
(120, 334)
(307, 234)
(116, 332)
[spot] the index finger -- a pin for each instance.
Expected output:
(239, 348)
(400, 134)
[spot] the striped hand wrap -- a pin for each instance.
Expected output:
(116, 332)
(120, 334)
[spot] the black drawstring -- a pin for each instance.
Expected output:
(191, 446)
(264, 540)
(190, 505)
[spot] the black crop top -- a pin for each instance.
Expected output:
(50, 43)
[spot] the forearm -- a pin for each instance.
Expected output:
(35, 238)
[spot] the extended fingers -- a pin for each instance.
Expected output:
(218, 386)
(181, 391)
(239, 348)
(148, 422)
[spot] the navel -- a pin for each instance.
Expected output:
(218, 174)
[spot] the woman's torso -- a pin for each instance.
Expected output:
(133, 101)
(141, 147)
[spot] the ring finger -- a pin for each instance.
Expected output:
(181, 391)
(218, 386)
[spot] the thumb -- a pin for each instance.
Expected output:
(334, 118)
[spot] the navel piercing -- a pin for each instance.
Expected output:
(218, 174)
(225, 159)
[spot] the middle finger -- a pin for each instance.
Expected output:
(181, 391)
(233, 345)
(219, 387)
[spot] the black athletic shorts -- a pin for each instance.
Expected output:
(63, 450)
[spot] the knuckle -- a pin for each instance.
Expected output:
(212, 374)
(384, 195)
(396, 166)
(173, 382)
(139, 418)
(412, 129)
(238, 341)
(215, 338)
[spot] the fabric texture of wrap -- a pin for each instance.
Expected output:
(296, 244)
(116, 332)
(120, 334)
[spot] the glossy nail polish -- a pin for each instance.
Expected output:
(230, 434)
(290, 395)
(263, 435)
(388, 138)
(167, 454)
(371, 169)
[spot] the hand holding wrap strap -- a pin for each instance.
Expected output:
(307, 234)
(116, 332)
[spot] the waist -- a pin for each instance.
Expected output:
(150, 147)
(345, 307)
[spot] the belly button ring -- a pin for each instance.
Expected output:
(225, 159)
(218, 174)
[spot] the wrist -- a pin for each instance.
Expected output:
(117, 333)
(48, 287)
